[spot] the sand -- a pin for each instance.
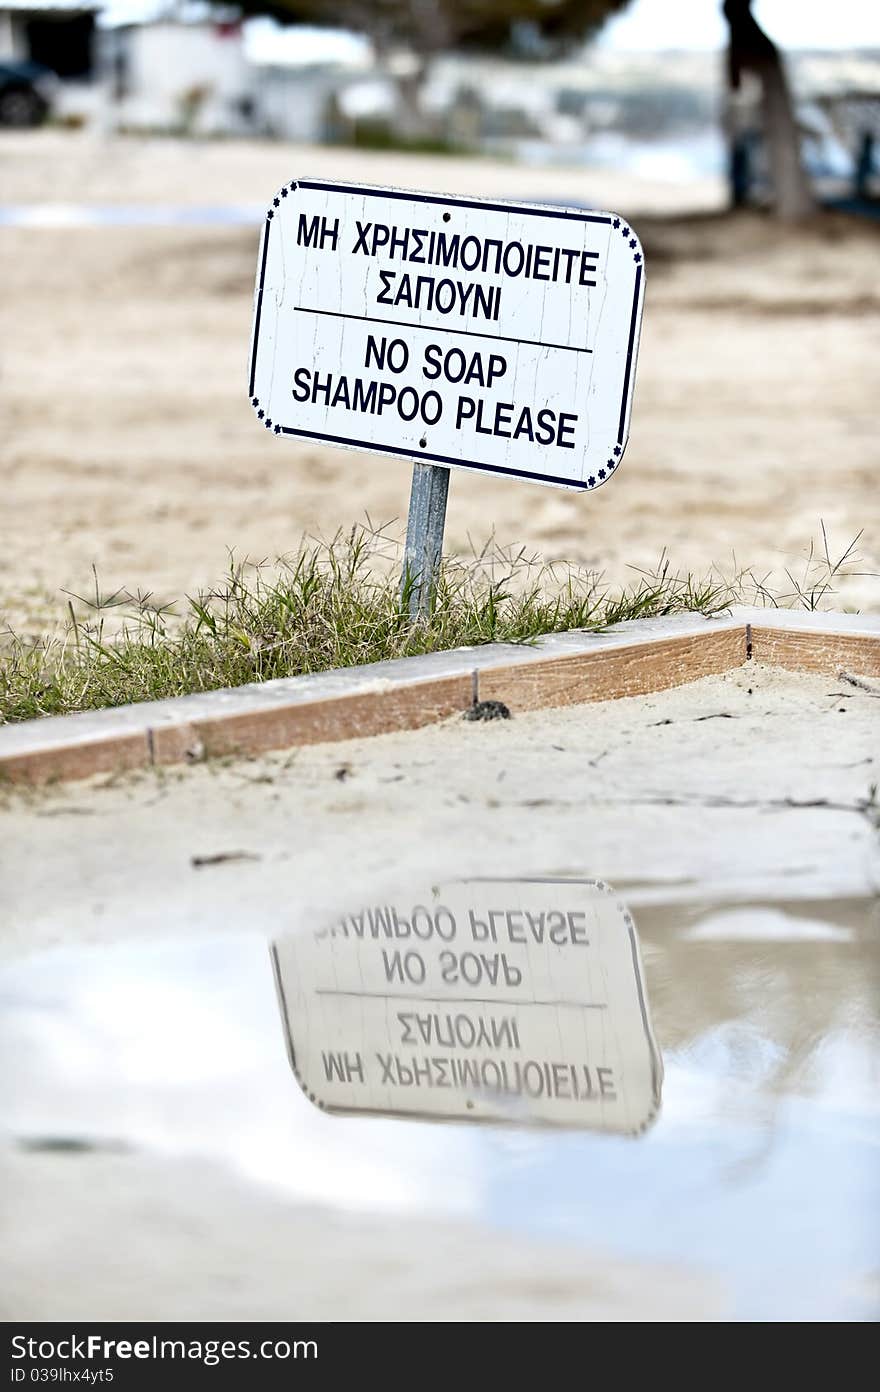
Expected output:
(127, 440)
(745, 790)
(197, 1244)
(754, 783)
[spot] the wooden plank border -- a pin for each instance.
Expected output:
(802, 651)
(562, 669)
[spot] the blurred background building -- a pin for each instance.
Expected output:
(396, 78)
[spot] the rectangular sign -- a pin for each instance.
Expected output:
(456, 331)
(483, 1000)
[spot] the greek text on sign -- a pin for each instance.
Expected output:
(456, 331)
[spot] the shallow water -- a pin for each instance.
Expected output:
(759, 1170)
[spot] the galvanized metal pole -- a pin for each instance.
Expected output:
(424, 537)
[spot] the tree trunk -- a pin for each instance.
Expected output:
(413, 122)
(752, 51)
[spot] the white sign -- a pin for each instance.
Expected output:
(515, 1001)
(457, 331)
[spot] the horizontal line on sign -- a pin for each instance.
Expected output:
(465, 333)
(482, 204)
(458, 1000)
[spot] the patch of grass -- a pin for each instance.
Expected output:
(379, 135)
(338, 604)
(817, 581)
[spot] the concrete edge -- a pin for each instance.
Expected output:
(632, 658)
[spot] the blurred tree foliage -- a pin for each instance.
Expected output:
(533, 28)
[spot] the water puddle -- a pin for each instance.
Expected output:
(693, 1085)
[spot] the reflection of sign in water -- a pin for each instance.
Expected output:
(486, 1000)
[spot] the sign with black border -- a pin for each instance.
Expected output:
(463, 332)
(512, 1001)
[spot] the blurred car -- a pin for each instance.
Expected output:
(27, 91)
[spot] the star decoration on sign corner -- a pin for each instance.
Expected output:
(617, 449)
(260, 415)
(591, 481)
(601, 473)
(626, 233)
(284, 192)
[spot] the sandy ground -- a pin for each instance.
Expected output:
(57, 167)
(746, 783)
(196, 1244)
(127, 440)
(745, 790)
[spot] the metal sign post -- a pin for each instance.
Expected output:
(424, 538)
